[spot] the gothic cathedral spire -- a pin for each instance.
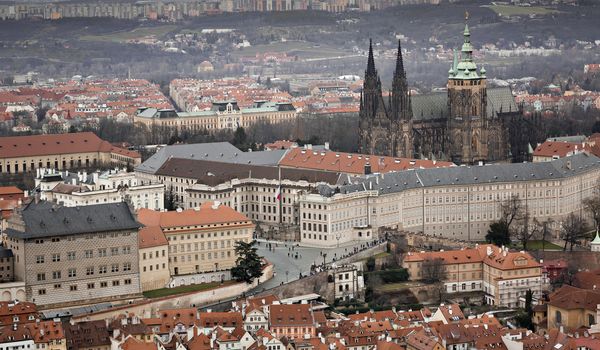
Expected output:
(400, 99)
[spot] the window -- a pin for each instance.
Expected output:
(103, 284)
(558, 317)
(90, 286)
(39, 259)
(89, 271)
(55, 257)
(41, 291)
(127, 281)
(102, 269)
(41, 276)
(102, 252)
(56, 275)
(114, 251)
(89, 254)
(70, 255)
(127, 267)
(114, 268)
(72, 273)
(115, 283)
(73, 288)
(127, 250)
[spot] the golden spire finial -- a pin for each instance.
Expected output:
(466, 15)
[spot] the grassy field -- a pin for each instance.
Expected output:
(394, 287)
(537, 245)
(137, 33)
(163, 292)
(293, 48)
(508, 10)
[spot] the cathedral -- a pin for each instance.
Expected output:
(467, 124)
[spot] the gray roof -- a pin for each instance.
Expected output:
(217, 152)
(576, 138)
(435, 105)
(45, 219)
(468, 175)
(206, 151)
(5, 252)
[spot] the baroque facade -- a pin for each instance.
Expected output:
(469, 123)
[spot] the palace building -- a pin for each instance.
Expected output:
(470, 123)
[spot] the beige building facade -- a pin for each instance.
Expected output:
(504, 276)
(201, 241)
(20, 154)
(223, 116)
(455, 202)
(154, 258)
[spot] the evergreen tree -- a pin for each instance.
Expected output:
(498, 233)
(248, 265)
(371, 264)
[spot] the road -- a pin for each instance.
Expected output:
(288, 268)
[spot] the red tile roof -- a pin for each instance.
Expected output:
(208, 214)
(352, 163)
(291, 315)
(149, 237)
(557, 148)
(38, 145)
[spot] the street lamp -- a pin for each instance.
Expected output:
(324, 256)
(286, 276)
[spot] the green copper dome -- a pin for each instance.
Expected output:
(466, 68)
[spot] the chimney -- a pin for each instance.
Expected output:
(489, 251)
(327, 145)
(367, 168)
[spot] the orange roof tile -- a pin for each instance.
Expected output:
(149, 237)
(352, 163)
(207, 214)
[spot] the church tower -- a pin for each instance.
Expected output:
(401, 109)
(467, 105)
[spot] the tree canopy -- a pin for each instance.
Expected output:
(248, 265)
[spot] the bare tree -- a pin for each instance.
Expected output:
(572, 231)
(433, 270)
(592, 204)
(526, 229)
(511, 210)
(545, 231)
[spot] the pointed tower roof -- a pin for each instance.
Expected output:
(399, 60)
(466, 69)
(371, 60)
(596, 240)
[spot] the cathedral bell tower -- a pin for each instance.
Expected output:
(467, 105)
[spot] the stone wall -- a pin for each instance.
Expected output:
(311, 284)
(147, 308)
(429, 242)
